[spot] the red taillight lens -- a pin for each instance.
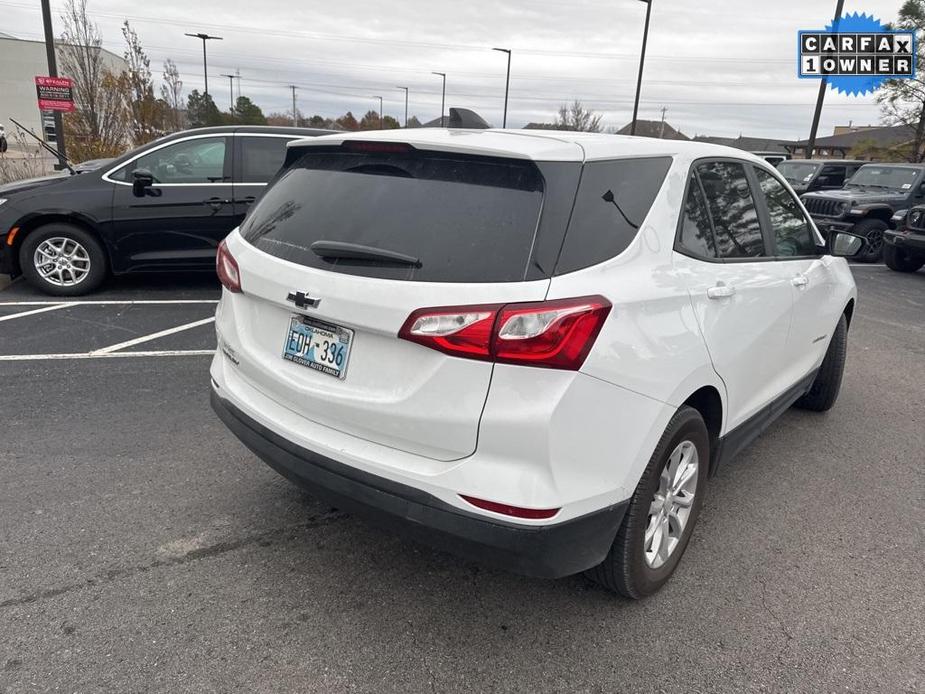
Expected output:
(508, 510)
(554, 334)
(227, 268)
(463, 331)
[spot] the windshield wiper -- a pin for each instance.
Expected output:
(356, 251)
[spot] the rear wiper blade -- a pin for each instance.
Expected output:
(356, 251)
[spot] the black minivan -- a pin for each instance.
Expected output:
(163, 207)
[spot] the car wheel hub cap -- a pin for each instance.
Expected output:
(62, 261)
(670, 508)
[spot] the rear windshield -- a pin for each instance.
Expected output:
(464, 218)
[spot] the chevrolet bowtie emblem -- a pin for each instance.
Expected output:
(303, 300)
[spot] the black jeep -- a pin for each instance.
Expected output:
(809, 175)
(867, 202)
(904, 247)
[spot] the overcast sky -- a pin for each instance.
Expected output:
(719, 67)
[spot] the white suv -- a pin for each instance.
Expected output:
(529, 348)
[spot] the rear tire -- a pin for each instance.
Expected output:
(824, 391)
(62, 260)
(633, 567)
(899, 260)
(872, 231)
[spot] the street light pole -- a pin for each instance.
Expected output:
(823, 83)
(406, 104)
(507, 82)
(442, 99)
(380, 111)
(231, 86)
(53, 72)
(205, 66)
(293, 88)
(642, 61)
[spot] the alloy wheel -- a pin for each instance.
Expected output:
(671, 505)
(62, 261)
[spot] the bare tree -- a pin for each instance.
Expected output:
(172, 93)
(147, 112)
(99, 127)
(902, 101)
(575, 116)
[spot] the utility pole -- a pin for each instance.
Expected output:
(507, 82)
(442, 99)
(406, 104)
(661, 132)
(642, 61)
(237, 76)
(53, 72)
(231, 86)
(380, 111)
(823, 83)
(293, 88)
(205, 65)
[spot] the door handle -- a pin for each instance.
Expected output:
(799, 281)
(214, 203)
(720, 291)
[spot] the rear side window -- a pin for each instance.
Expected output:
(261, 157)
(613, 200)
(465, 218)
(736, 228)
(696, 236)
(835, 175)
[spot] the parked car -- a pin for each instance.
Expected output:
(163, 207)
(904, 246)
(530, 349)
(867, 203)
(807, 175)
(773, 158)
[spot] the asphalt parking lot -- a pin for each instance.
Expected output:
(144, 549)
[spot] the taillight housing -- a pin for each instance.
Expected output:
(227, 269)
(557, 334)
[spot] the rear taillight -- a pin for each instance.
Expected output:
(227, 268)
(554, 334)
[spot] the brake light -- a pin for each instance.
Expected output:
(508, 510)
(377, 147)
(555, 334)
(227, 269)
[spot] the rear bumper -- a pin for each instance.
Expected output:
(543, 551)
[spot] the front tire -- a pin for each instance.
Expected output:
(898, 260)
(872, 231)
(62, 260)
(824, 391)
(662, 512)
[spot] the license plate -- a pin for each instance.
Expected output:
(319, 346)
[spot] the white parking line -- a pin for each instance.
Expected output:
(111, 302)
(153, 336)
(108, 355)
(34, 311)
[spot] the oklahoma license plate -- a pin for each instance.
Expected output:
(319, 346)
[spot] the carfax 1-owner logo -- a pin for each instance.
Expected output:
(856, 54)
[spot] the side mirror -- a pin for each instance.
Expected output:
(845, 245)
(141, 180)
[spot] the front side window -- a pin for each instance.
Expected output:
(696, 236)
(261, 157)
(736, 228)
(833, 175)
(192, 161)
(792, 233)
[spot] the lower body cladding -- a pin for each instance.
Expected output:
(589, 482)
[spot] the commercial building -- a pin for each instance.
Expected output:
(21, 61)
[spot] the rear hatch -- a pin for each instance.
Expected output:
(361, 235)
